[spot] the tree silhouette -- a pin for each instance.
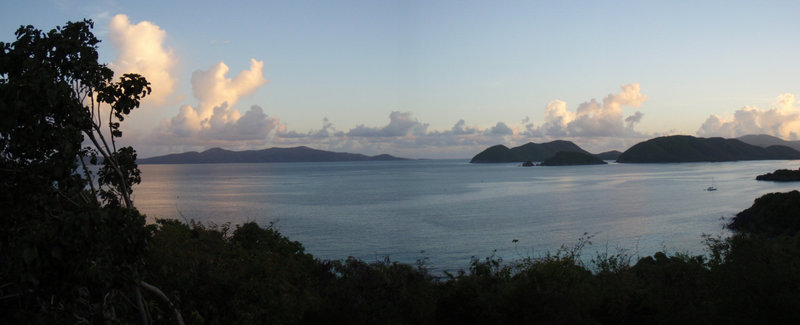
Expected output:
(71, 242)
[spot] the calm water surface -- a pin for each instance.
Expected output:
(449, 210)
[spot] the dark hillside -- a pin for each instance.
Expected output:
(684, 148)
(527, 152)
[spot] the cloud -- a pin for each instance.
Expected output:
(630, 121)
(326, 131)
(214, 121)
(782, 120)
(224, 126)
(594, 118)
(557, 118)
(501, 129)
(141, 51)
(460, 128)
(213, 88)
(401, 124)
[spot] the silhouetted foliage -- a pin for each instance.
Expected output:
(771, 215)
(71, 245)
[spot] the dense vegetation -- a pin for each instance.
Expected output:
(564, 158)
(684, 148)
(781, 175)
(73, 249)
(527, 152)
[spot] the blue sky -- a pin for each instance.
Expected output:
(400, 76)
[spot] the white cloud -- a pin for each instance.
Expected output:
(225, 126)
(593, 118)
(213, 88)
(557, 117)
(501, 129)
(326, 131)
(214, 121)
(141, 51)
(401, 124)
(782, 120)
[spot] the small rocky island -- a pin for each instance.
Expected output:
(781, 175)
(571, 158)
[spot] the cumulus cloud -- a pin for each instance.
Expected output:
(141, 50)
(594, 118)
(782, 120)
(213, 88)
(223, 126)
(501, 129)
(214, 120)
(461, 128)
(327, 130)
(401, 124)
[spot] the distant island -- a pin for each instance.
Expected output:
(296, 154)
(684, 148)
(781, 175)
(568, 158)
(763, 140)
(608, 155)
(527, 152)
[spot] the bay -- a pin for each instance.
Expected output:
(447, 211)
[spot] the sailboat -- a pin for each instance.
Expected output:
(712, 187)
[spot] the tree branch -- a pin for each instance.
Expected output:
(107, 155)
(145, 316)
(88, 176)
(164, 297)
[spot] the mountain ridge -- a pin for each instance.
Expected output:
(527, 152)
(764, 140)
(275, 154)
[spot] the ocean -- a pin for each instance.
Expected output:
(445, 212)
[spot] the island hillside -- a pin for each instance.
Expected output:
(763, 140)
(297, 154)
(684, 148)
(608, 155)
(781, 175)
(527, 152)
(567, 158)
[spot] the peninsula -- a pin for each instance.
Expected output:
(781, 175)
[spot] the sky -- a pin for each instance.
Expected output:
(441, 79)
